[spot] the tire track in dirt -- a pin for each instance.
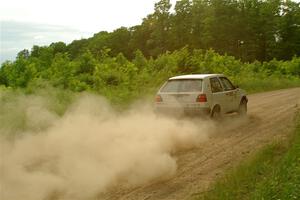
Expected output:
(270, 117)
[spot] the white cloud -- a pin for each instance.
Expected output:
(16, 36)
(38, 37)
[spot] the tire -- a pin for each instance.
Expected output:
(243, 108)
(216, 113)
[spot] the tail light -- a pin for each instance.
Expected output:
(158, 98)
(201, 98)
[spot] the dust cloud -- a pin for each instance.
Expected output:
(90, 149)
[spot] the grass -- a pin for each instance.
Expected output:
(273, 173)
(20, 111)
(263, 84)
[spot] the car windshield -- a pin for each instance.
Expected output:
(183, 85)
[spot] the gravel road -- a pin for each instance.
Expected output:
(270, 117)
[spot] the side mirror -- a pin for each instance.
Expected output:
(236, 86)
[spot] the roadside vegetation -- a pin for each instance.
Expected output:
(122, 81)
(256, 43)
(272, 173)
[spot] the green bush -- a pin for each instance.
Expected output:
(123, 81)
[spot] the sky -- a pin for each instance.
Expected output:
(41, 22)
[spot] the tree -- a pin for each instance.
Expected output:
(288, 35)
(24, 54)
(58, 47)
(160, 27)
(118, 42)
(182, 24)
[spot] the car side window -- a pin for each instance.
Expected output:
(215, 85)
(227, 84)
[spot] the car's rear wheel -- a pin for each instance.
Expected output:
(216, 113)
(243, 108)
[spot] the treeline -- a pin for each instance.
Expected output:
(247, 29)
(122, 80)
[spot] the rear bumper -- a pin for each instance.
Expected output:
(178, 111)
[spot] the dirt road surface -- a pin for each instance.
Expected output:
(270, 117)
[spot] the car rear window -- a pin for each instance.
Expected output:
(183, 85)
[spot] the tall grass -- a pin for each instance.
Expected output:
(17, 107)
(254, 84)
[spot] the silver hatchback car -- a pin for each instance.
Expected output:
(201, 94)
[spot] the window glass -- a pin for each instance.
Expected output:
(227, 84)
(183, 85)
(215, 85)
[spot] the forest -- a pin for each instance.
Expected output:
(254, 42)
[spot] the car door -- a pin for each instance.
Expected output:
(218, 95)
(230, 94)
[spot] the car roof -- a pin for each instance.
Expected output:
(195, 76)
